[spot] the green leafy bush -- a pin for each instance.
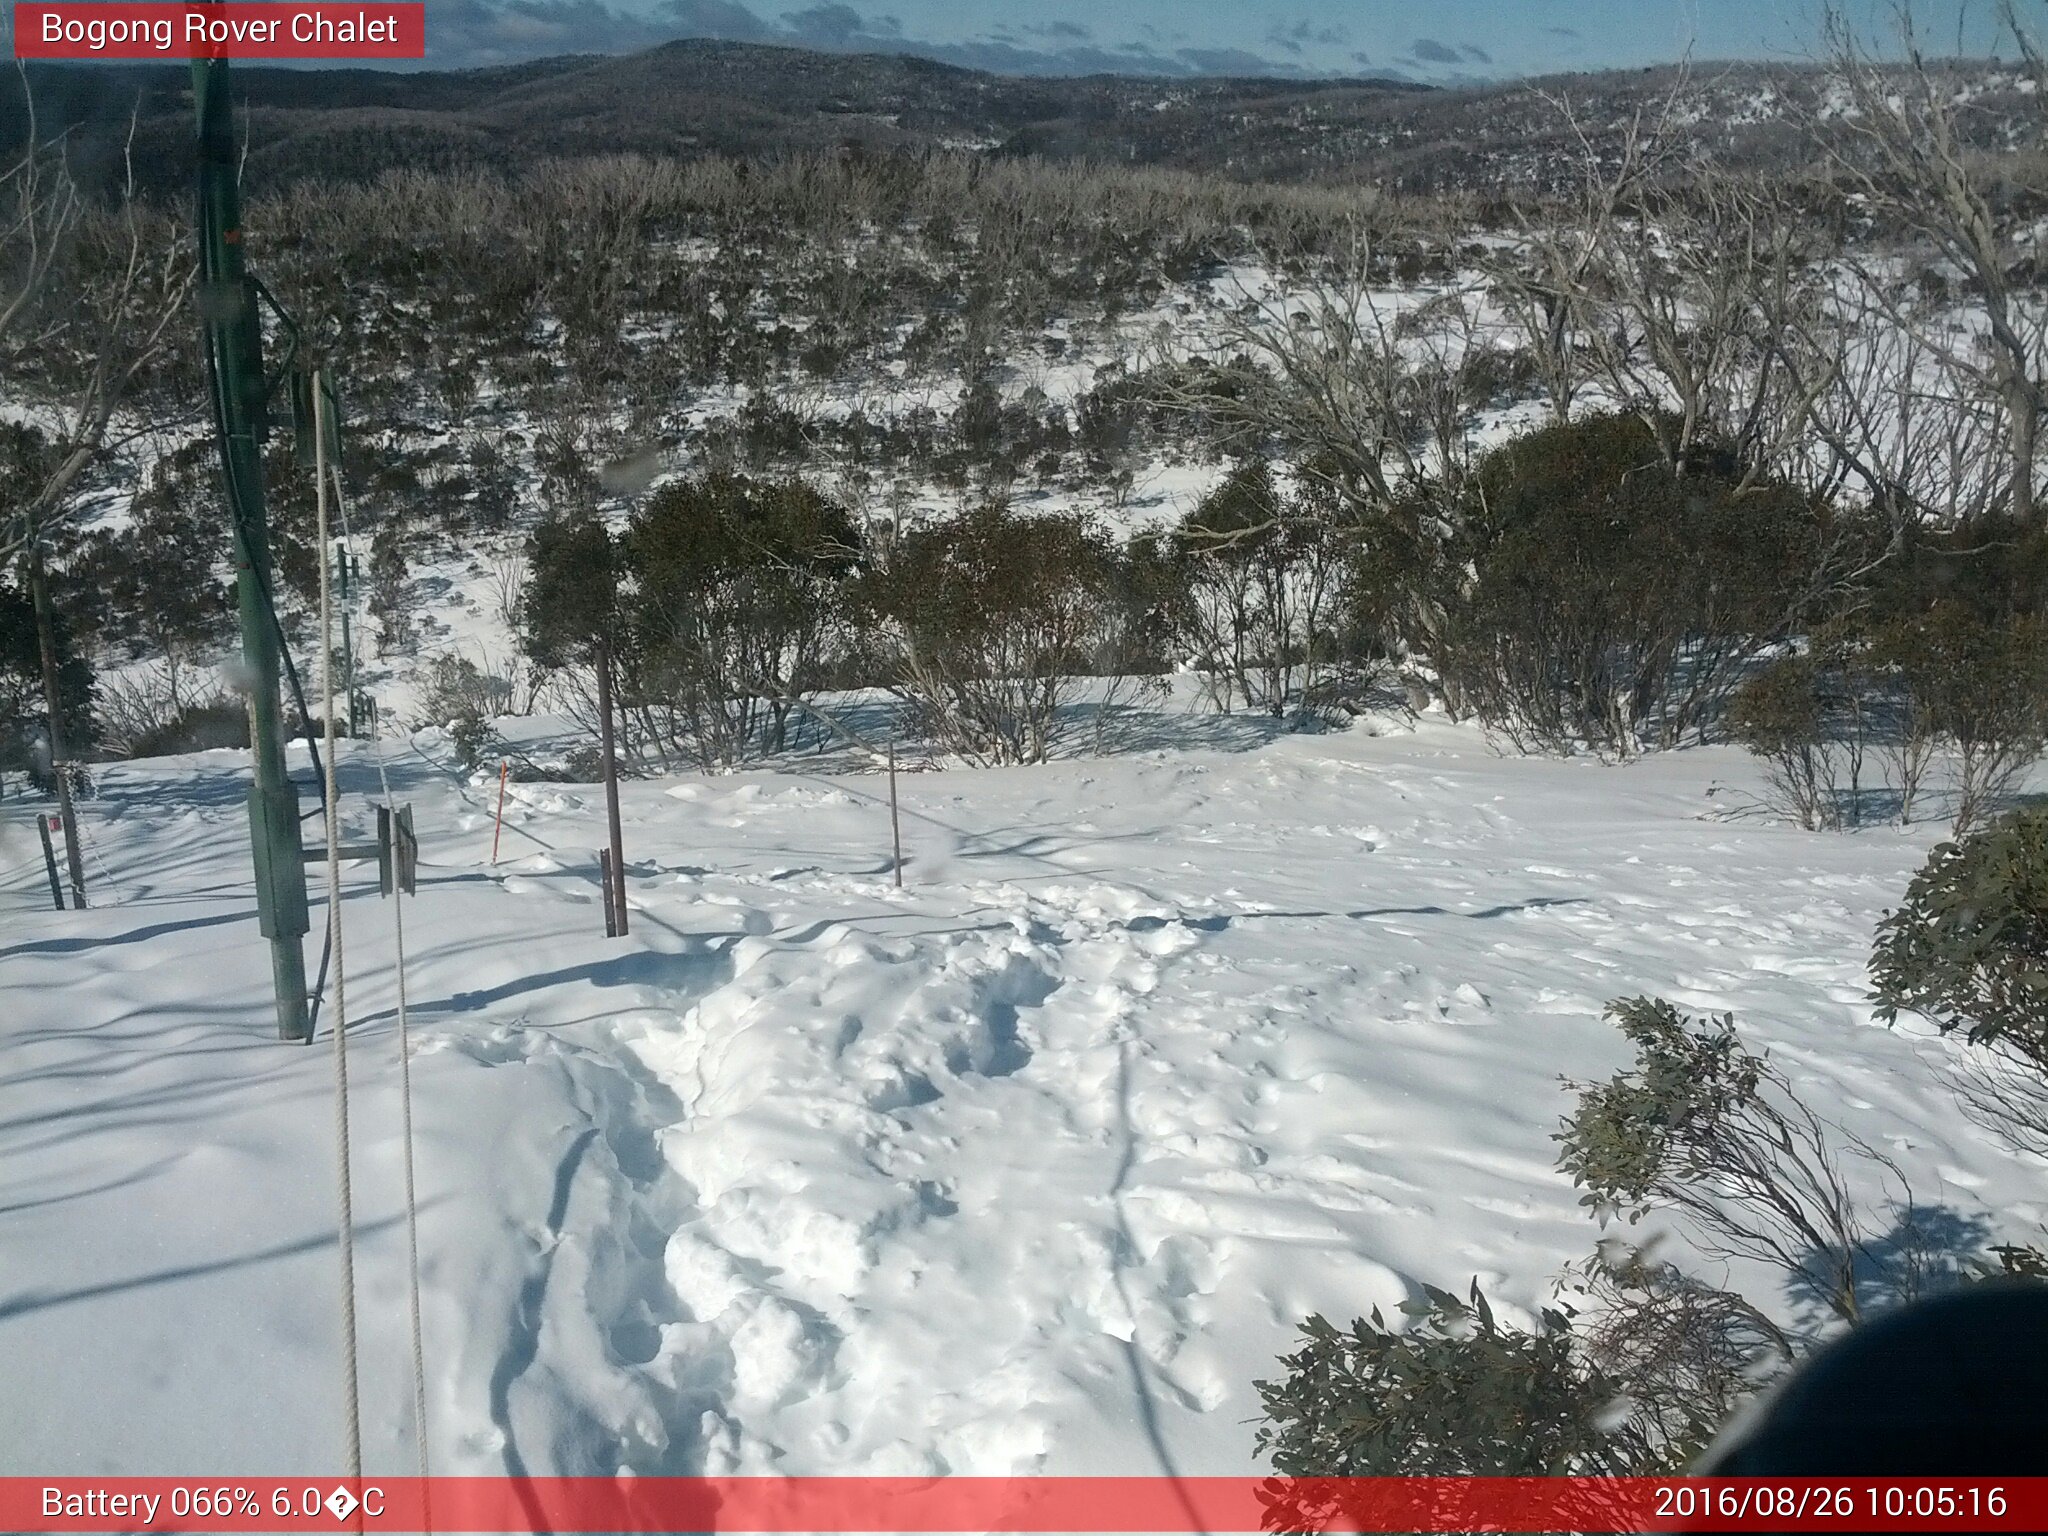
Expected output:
(1804, 716)
(1963, 652)
(986, 623)
(738, 607)
(1642, 1372)
(1982, 687)
(1702, 1126)
(1455, 1394)
(1588, 596)
(571, 604)
(1263, 580)
(1902, 690)
(1968, 949)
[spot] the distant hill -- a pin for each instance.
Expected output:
(697, 97)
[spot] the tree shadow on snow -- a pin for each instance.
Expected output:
(72, 946)
(25, 1302)
(686, 977)
(1218, 922)
(1927, 1249)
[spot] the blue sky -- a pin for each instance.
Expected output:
(1433, 40)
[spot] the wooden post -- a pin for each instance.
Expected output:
(617, 875)
(604, 879)
(46, 645)
(895, 820)
(348, 649)
(50, 860)
(405, 851)
(69, 814)
(503, 767)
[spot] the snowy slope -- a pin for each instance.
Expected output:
(1032, 1165)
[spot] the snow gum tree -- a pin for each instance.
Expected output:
(1263, 570)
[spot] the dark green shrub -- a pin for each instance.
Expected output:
(1455, 1394)
(1147, 590)
(737, 608)
(197, 728)
(1895, 669)
(1109, 419)
(158, 580)
(1902, 690)
(1980, 686)
(1993, 569)
(1809, 717)
(1589, 596)
(1264, 573)
(571, 605)
(1638, 1378)
(474, 738)
(771, 432)
(1968, 948)
(390, 597)
(985, 624)
(495, 485)
(572, 622)
(1781, 715)
(22, 707)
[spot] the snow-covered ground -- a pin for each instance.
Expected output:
(1034, 1164)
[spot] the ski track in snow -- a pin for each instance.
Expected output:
(1033, 1165)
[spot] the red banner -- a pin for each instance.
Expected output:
(125, 30)
(1026, 1504)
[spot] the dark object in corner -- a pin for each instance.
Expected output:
(1952, 1387)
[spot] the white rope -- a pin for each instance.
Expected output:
(412, 1220)
(351, 1393)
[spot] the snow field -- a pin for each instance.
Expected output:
(1033, 1165)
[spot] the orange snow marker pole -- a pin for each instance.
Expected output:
(504, 766)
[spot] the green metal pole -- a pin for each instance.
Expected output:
(234, 359)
